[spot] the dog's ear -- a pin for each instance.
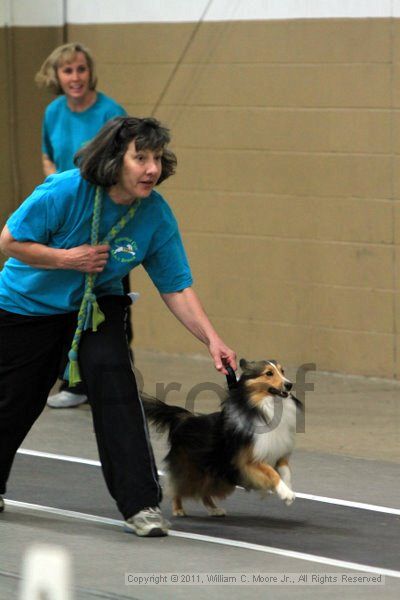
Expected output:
(243, 364)
(251, 368)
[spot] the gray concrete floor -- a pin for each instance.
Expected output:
(350, 449)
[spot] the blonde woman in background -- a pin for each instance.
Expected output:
(78, 113)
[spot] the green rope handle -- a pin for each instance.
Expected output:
(90, 315)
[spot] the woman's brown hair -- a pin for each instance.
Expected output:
(100, 161)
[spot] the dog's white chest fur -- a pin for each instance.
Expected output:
(274, 436)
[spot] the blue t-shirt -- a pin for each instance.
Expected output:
(58, 214)
(64, 131)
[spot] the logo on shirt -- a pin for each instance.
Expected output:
(124, 249)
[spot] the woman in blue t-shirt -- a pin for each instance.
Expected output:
(69, 244)
(71, 120)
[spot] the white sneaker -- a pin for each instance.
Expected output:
(66, 399)
(149, 522)
(1, 504)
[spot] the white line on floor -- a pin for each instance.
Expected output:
(215, 540)
(350, 503)
(74, 459)
(337, 501)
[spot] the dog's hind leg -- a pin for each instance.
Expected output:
(212, 508)
(177, 507)
(282, 466)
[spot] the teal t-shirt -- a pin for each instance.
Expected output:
(64, 131)
(58, 214)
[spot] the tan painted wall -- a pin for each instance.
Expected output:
(31, 46)
(288, 187)
(6, 179)
(21, 108)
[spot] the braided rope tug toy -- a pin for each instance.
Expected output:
(90, 316)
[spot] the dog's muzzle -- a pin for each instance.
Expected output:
(284, 393)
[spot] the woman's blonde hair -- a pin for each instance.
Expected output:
(47, 74)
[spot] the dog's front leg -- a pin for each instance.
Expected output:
(263, 476)
(282, 466)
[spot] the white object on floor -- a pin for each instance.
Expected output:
(46, 573)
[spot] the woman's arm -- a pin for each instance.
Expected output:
(85, 258)
(186, 307)
(48, 166)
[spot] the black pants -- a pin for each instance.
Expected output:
(30, 354)
(80, 388)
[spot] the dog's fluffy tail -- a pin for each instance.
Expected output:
(163, 416)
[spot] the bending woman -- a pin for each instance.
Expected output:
(70, 243)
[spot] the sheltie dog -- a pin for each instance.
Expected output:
(247, 443)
